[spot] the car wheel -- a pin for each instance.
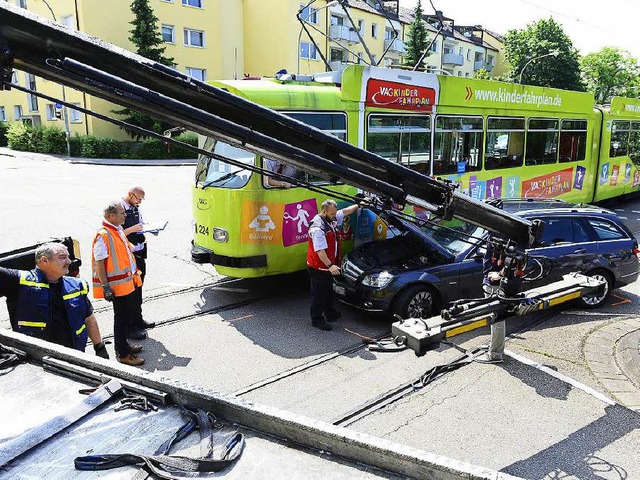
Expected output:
(415, 302)
(595, 301)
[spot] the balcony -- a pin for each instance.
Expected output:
(343, 33)
(452, 59)
(480, 64)
(396, 45)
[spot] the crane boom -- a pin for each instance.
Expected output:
(36, 45)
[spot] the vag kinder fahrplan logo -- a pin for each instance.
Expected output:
(202, 204)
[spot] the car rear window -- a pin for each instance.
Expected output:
(606, 230)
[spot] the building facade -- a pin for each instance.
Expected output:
(222, 39)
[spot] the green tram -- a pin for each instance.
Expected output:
(494, 139)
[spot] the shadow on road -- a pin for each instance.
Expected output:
(580, 454)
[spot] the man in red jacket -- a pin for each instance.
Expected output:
(323, 260)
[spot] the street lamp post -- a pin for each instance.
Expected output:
(550, 54)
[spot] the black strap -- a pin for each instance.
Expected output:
(172, 466)
(10, 357)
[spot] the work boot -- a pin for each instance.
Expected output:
(332, 317)
(146, 325)
(323, 326)
(131, 359)
(489, 358)
(137, 335)
(135, 349)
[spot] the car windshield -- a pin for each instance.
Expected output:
(456, 236)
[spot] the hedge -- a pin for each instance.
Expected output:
(43, 139)
(4, 127)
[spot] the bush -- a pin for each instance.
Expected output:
(94, 147)
(152, 148)
(53, 140)
(18, 136)
(4, 127)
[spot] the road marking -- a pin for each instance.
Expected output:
(620, 210)
(560, 377)
(237, 318)
(622, 218)
(624, 300)
(595, 314)
(635, 211)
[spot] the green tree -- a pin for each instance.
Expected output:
(417, 40)
(482, 74)
(523, 48)
(146, 36)
(611, 72)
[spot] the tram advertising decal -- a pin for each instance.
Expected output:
(262, 222)
(296, 219)
(386, 94)
(549, 185)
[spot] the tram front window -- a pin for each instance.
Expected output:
(212, 172)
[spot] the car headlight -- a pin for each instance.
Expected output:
(378, 280)
(220, 235)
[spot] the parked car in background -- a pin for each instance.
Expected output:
(423, 268)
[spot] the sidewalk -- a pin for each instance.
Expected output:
(5, 151)
(612, 353)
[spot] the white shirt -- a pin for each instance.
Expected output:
(319, 239)
(287, 170)
(100, 250)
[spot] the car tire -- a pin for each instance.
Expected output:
(416, 302)
(597, 301)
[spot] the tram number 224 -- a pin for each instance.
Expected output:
(202, 229)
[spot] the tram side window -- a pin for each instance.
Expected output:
(334, 123)
(634, 142)
(619, 145)
(542, 141)
(212, 172)
(505, 143)
(573, 140)
(458, 145)
(404, 139)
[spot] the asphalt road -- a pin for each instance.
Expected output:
(558, 419)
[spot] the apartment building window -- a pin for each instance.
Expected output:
(21, 3)
(75, 116)
(51, 111)
(338, 55)
(360, 59)
(308, 14)
(68, 21)
(469, 55)
(193, 38)
(197, 73)
(17, 112)
(461, 51)
(361, 26)
(337, 20)
(192, 3)
(374, 30)
(3, 115)
(491, 60)
(434, 47)
(32, 99)
(308, 50)
(14, 78)
(169, 33)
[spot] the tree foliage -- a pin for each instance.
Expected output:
(146, 36)
(417, 40)
(611, 72)
(523, 48)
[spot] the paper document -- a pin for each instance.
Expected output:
(153, 227)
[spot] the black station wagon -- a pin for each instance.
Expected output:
(421, 269)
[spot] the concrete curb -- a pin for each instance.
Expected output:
(612, 354)
(343, 442)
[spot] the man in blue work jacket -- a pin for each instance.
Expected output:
(45, 303)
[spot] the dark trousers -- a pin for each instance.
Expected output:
(123, 315)
(321, 295)
(137, 323)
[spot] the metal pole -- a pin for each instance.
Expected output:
(67, 134)
(555, 54)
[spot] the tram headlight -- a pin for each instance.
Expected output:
(378, 280)
(220, 235)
